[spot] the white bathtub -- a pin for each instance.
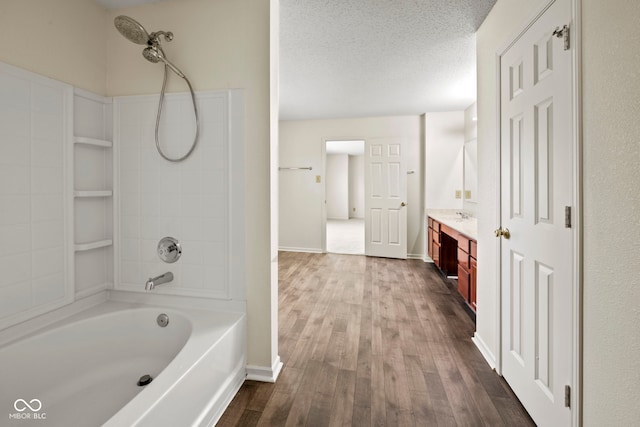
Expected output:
(83, 371)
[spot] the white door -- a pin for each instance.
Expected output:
(537, 184)
(385, 198)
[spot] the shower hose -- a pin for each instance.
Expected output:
(195, 111)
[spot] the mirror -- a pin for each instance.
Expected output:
(470, 178)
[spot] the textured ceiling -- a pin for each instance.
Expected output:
(357, 58)
(360, 58)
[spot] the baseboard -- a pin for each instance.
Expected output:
(307, 250)
(484, 350)
(415, 256)
(265, 374)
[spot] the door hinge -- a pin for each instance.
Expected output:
(567, 396)
(567, 217)
(564, 33)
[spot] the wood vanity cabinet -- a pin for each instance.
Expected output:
(473, 268)
(454, 253)
(433, 242)
(463, 267)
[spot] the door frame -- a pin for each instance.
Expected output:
(577, 261)
(323, 207)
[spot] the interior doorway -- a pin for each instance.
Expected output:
(344, 197)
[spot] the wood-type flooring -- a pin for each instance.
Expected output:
(374, 342)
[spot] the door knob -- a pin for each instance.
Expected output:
(403, 204)
(504, 233)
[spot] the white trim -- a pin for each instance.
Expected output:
(576, 41)
(416, 256)
(498, 219)
(484, 350)
(265, 374)
(306, 250)
(323, 201)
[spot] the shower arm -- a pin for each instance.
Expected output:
(154, 38)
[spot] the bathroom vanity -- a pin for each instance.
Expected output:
(452, 245)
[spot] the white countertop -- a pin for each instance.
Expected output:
(448, 217)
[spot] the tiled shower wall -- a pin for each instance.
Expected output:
(60, 198)
(187, 200)
(34, 234)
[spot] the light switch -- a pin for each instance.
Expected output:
(467, 194)
(318, 179)
(458, 194)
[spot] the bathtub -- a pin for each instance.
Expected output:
(84, 370)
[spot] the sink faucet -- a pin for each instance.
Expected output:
(159, 280)
(463, 215)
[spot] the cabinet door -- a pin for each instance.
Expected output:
(473, 268)
(463, 283)
(435, 253)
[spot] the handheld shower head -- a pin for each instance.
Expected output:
(155, 54)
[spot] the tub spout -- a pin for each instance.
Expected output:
(158, 280)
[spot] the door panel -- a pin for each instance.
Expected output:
(385, 192)
(537, 259)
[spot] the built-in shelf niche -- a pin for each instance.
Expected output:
(97, 244)
(93, 141)
(93, 193)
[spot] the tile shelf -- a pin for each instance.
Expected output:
(93, 141)
(81, 247)
(92, 193)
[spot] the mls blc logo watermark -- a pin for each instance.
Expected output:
(28, 410)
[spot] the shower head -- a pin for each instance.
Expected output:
(155, 54)
(132, 29)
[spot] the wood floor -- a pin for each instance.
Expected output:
(373, 342)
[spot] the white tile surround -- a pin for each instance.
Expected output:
(80, 215)
(188, 200)
(35, 254)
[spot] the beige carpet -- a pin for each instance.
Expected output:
(345, 236)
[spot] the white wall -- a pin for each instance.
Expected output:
(444, 139)
(337, 186)
(356, 186)
(301, 199)
(611, 229)
(63, 39)
(611, 155)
